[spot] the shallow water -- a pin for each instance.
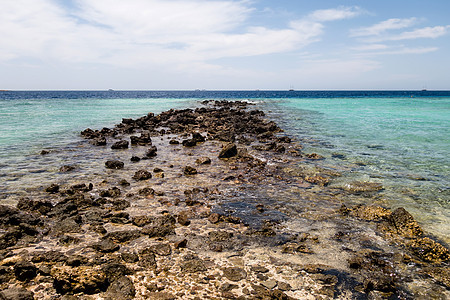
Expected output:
(385, 137)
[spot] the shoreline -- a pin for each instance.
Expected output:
(261, 222)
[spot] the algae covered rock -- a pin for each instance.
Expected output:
(404, 223)
(82, 279)
(228, 151)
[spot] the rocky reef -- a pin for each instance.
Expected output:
(211, 203)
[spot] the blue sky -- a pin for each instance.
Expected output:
(224, 45)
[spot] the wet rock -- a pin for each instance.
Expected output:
(142, 175)
(314, 156)
(214, 218)
(174, 142)
(122, 144)
(123, 236)
(183, 219)
(147, 259)
(25, 271)
(192, 264)
(114, 271)
(16, 293)
(67, 225)
(52, 189)
(100, 141)
(234, 273)
(121, 289)
(146, 191)
(189, 143)
(66, 168)
(135, 159)
(188, 170)
(228, 151)
(203, 161)
(219, 236)
(112, 192)
(259, 269)
(428, 250)
(86, 280)
(404, 223)
(106, 245)
(124, 182)
(114, 164)
(440, 274)
(49, 257)
(362, 187)
(42, 207)
(318, 179)
(180, 244)
(161, 249)
(151, 152)
(369, 213)
(270, 284)
(129, 257)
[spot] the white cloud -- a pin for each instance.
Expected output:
(324, 15)
(427, 32)
(148, 32)
(384, 26)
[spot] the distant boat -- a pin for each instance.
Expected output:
(110, 90)
(424, 90)
(291, 88)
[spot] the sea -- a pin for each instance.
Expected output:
(400, 139)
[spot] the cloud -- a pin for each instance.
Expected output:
(384, 26)
(427, 32)
(325, 15)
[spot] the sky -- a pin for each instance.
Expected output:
(224, 44)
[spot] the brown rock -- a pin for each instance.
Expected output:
(228, 151)
(404, 223)
(234, 273)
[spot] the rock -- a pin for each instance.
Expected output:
(220, 236)
(43, 207)
(234, 273)
(135, 159)
(106, 245)
(188, 170)
(270, 284)
(193, 265)
(86, 280)
(142, 175)
(52, 189)
(183, 219)
(428, 250)
(314, 156)
(100, 141)
(124, 182)
(214, 218)
(174, 142)
(129, 257)
(121, 289)
(151, 152)
(362, 187)
(66, 168)
(16, 293)
(147, 259)
(180, 244)
(123, 236)
(25, 271)
(146, 191)
(161, 249)
(112, 192)
(228, 151)
(114, 164)
(189, 143)
(317, 179)
(404, 223)
(114, 271)
(203, 161)
(122, 144)
(369, 213)
(259, 269)
(198, 138)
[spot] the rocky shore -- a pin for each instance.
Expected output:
(211, 203)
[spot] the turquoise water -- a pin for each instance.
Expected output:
(400, 141)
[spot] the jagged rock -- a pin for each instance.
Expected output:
(43, 207)
(106, 245)
(404, 223)
(123, 236)
(100, 141)
(53, 188)
(122, 144)
(188, 170)
(147, 259)
(193, 265)
(114, 164)
(189, 143)
(86, 280)
(234, 273)
(135, 158)
(66, 168)
(121, 289)
(314, 156)
(16, 293)
(228, 151)
(151, 152)
(174, 142)
(142, 175)
(25, 271)
(318, 179)
(161, 249)
(429, 250)
(203, 161)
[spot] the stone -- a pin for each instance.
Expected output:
(66, 168)
(151, 152)
(183, 219)
(161, 249)
(121, 289)
(193, 265)
(52, 189)
(135, 159)
(122, 236)
(189, 143)
(214, 218)
(16, 293)
(234, 273)
(114, 164)
(188, 170)
(317, 179)
(270, 284)
(83, 279)
(106, 245)
(174, 142)
(122, 144)
(142, 175)
(362, 187)
(428, 250)
(228, 151)
(404, 223)
(25, 271)
(203, 161)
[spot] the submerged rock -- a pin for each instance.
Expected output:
(142, 175)
(361, 187)
(228, 151)
(114, 164)
(404, 223)
(122, 144)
